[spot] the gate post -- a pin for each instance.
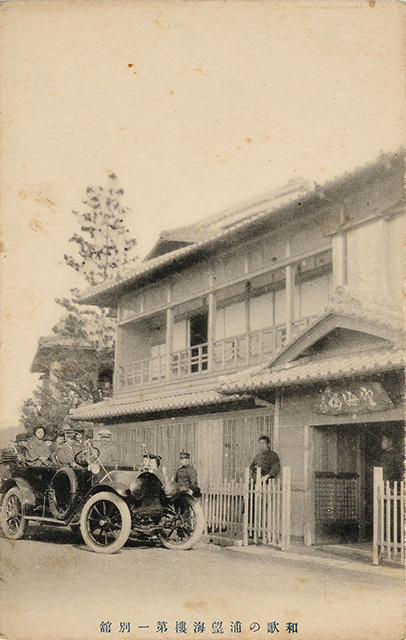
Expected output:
(246, 507)
(376, 548)
(285, 537)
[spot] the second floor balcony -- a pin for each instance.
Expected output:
(224, 355)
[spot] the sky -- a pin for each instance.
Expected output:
(196, 106)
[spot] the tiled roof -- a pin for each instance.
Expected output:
(311, 369)
(138, 404)
(216, 234)
(230, 221)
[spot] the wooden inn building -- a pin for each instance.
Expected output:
(282, 316)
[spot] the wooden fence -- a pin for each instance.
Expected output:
(250, 510)
(389, 519)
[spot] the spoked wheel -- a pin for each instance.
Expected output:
(105, 523)
(182, 524)
(13, 522)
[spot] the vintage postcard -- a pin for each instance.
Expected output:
(203, 352)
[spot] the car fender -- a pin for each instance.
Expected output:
(27, 494)
(120, 489)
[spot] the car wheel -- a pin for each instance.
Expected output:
(105, 523)
(182, 524)
(13, 522)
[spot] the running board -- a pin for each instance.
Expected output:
(47, 520)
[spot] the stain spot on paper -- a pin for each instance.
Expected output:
(196, 605)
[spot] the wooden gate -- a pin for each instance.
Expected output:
(389, 519)
(250, 510)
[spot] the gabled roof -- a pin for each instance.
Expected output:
(310, 370)
(49, 346)
(203, 231)
(377, 320)
(347, 340)
(221, 230)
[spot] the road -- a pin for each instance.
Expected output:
(54, 587)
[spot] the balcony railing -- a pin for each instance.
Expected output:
(189, 361)
(142, 373)
(248, 348)
(230, 353)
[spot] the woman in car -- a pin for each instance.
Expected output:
(37, 450)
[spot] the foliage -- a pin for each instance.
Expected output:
(105, 248)
(81, 350)
(41, 410)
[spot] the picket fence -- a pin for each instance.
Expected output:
(250, 511)
(389, 519)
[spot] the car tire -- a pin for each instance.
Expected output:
(13, 522)
(105, 523)
(182, 524)
(62, 493)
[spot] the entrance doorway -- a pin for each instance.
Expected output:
(344, 459)
(337, 487)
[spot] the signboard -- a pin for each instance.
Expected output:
(353, 398)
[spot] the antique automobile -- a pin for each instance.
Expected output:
(107, 506)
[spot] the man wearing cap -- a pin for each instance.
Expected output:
(186, 475)
(66, 453)
(21, 443)
(109, 454)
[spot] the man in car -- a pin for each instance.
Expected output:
(21, 444)
(109, 452)
(66, 453)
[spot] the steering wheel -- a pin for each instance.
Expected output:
(85, 456)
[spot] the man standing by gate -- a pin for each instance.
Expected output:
(267, 460)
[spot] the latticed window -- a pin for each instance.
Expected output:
(166, 440)
(240, 442)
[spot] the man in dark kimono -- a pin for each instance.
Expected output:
(266, 460)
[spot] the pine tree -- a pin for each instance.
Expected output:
(82, 344)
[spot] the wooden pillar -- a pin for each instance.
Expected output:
(276, 421)
(286, 488)
(378, 512)
(247, 306)
(169, 341)
(290, 271)
(339, 260)
(308, 507)
(385, 264)
(211, 329)
(117, 361)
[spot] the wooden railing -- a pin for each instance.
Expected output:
(250, 510)
(248, 348)
(389, 519)
(188, 361)
(230, 353)
(142, 373)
